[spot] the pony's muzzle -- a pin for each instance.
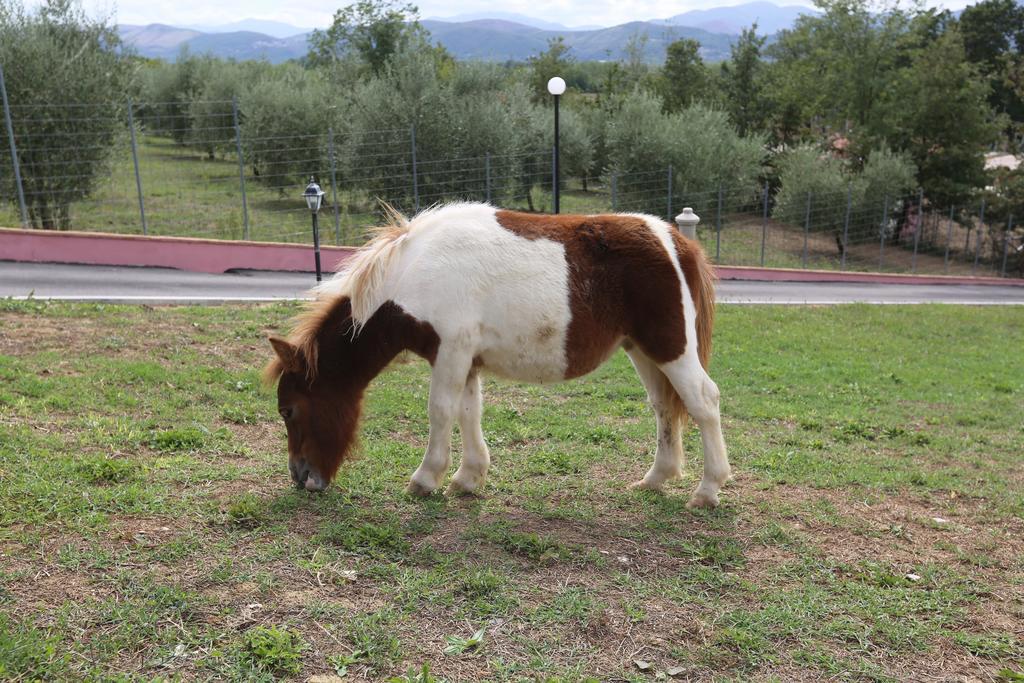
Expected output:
(305, 477)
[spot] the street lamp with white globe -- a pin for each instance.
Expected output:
(314, 197)
(556, 86)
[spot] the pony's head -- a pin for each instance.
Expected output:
(320, 417)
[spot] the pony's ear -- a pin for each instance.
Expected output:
(291, 358)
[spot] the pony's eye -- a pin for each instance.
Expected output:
(286, 413)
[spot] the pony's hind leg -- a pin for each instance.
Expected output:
(668, 458)
(700, 394)
(446, 387)
(476, 459)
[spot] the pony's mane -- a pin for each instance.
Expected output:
(360, 282)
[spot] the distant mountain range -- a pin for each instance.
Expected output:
(275, 29)
(498, 40)
(514, 18)
(496, 37)
(769, 18)
(159, 41)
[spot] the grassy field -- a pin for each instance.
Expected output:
(875, 529)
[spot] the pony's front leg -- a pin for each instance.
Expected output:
(446, 386)
(476, 459)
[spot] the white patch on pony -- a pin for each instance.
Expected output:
(457, 268)
(499, 297)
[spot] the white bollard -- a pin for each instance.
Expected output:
(687, 222)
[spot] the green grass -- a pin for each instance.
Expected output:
(148, 527)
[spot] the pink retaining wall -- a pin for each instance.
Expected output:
(793, 275)
(217, 256)
(184, 253)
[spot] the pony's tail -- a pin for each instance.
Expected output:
(704, 299)
(702, 289)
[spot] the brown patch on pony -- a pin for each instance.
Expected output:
(306, 328)
(620, 280)
(323, 392)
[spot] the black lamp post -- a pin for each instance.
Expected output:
(556, 86)
(314, 199)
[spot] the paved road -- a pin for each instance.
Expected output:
(163, 285)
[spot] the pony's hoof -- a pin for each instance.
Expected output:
(457, 488)
(644, 485)
(418, 490)
(703, 501)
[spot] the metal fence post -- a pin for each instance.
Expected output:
(14, 152)
(487, 175)
(615, 185)
(334, 186)
(135, 160)
(764, 223)
(885, 225)
(920, 226)
(554, 177)
(807, 229)
(977, 237)
(669, 197)
(949, 238)
(718, 225)
(241, 167)
(846, 226)
(415, 174)
(1006, 244)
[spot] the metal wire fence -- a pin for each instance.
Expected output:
(202, 170)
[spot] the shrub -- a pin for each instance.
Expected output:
(100, 470)
(246, 510)
(274, 650)
(806, 170)
(834, 188)
(181, 439)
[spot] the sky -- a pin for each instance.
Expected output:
(318, 13)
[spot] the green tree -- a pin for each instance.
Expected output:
(211, 112)
(633, 59)
(742, 80)
(59, 55)
(168, 91)
(684, 77)
(373, 30)
(993, 31)
(935, 109)
(990, 29)
(832, 68)
(285, 122)
(554, 61)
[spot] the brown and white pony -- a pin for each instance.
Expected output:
(529, 297)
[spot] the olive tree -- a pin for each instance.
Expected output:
(59, 55)
(700, 143)
(284, 122)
